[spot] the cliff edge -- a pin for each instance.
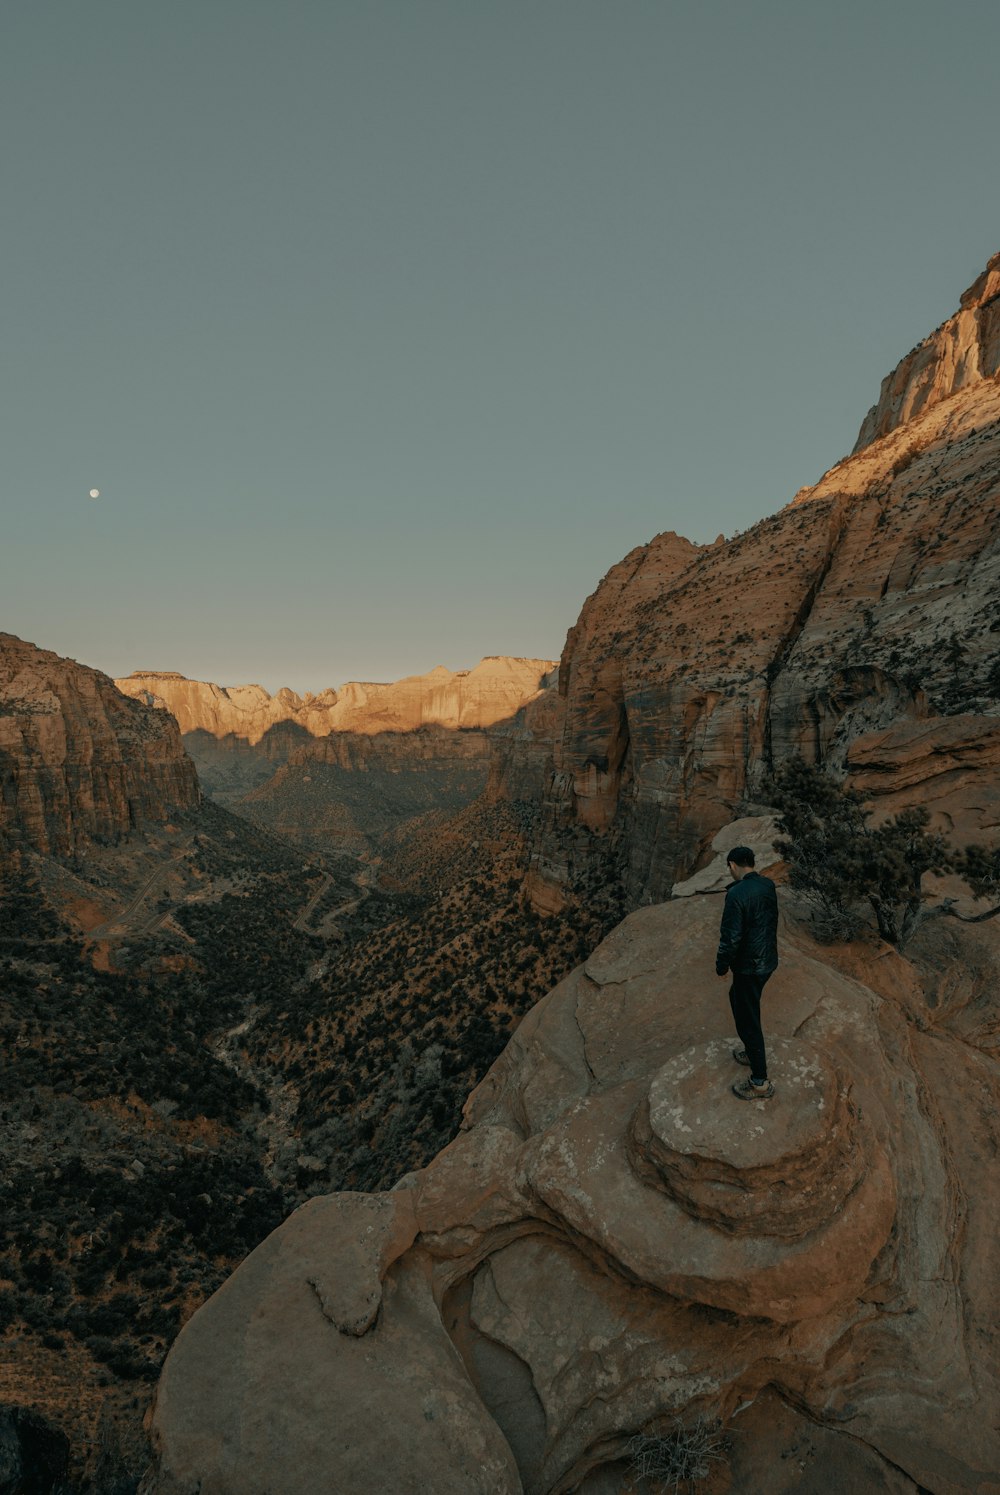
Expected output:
(963, 350)
(614, 1241)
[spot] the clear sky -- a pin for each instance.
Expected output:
(385, 327)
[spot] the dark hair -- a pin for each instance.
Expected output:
(741, 856)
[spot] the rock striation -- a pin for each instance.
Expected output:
(348, 790)
(240, 737)
(79, 762)
(491, 692)
(869, 606)
(614, 1241)
(521, 748)
(961, 351)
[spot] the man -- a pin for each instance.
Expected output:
(748, 946)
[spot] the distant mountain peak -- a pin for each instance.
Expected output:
(490, 692)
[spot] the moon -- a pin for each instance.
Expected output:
(95, 492)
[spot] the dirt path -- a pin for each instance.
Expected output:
(302, 922)
(118, 927)
(275, 1127)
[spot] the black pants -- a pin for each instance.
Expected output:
(744, 999)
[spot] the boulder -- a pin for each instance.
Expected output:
(759, 832)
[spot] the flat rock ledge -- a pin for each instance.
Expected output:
(790, 1170)
(614, 1241)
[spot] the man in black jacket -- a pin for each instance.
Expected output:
(748, 946)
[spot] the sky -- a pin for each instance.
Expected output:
(385, 327)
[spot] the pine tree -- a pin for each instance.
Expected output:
(843, 862)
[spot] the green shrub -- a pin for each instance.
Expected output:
(843, 863)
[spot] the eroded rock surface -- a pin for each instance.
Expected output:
(491, 692)
(78, 761)
(615, 1240)
(759, 832)
(857, 627)
(348, 790)
(960, 351)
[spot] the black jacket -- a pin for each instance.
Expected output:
(748, 942)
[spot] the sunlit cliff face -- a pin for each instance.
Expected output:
(863, 608)
(481, 697)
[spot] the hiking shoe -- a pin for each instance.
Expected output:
(740, 1055)
(746, 1090)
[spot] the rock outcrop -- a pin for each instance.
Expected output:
(870, 605)
(963, 350)
(79, 761)
(521, 748)
(759, 832)
(614, 1241)
(491, 692)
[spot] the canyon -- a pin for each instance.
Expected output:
(341, 769)
(612, 1247)
(855, 627)
(193, 1021)
(510, 885)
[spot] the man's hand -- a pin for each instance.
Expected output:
(720, 969)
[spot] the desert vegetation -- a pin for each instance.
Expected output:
(407, 1014)
(852, 869)
(680, 1460)
(161, 1116)
(130, 1166)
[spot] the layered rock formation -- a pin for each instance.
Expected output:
(961, 351)
(230, 767)
(347, 790)
(614, 1241)
(521, 747)
(239, 736)
(870, 605)
(78, 761)
(489, 693)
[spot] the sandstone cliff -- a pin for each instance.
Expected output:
(345, 791)
(489, 693)
(868, 606)
(963, 350)
(613, 1241)
(78, 761)
(521, 748)
(230, 767)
